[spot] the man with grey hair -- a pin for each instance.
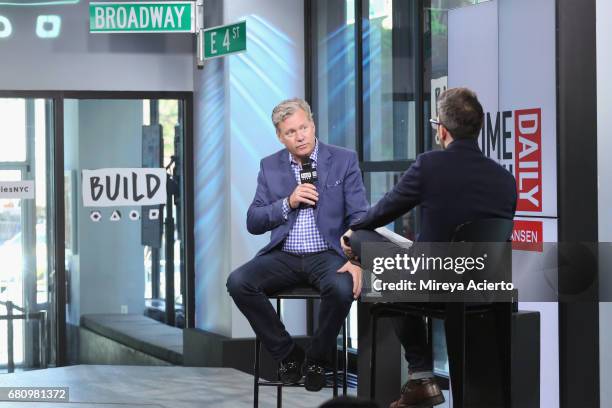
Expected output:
(452, 186)
(306, 215)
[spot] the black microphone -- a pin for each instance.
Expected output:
(308, 175)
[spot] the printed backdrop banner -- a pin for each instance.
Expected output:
(513, 72)
(124, 187)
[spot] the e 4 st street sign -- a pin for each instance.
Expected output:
(142, 17)
(224, 40)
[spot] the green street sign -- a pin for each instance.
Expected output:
(224, 40)
(142, 17)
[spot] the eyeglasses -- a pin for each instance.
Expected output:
(303, 129)
(434, 124)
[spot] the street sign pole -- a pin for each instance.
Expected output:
(200, 33)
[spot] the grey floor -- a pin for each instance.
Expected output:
(96, 386)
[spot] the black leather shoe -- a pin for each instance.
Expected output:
(315, 376)
(290, 370)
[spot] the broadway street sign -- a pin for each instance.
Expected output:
(142, 17)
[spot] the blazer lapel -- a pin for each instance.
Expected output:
(323, 166)
(287, 178)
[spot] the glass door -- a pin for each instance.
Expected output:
(26, 250)
(123, 198)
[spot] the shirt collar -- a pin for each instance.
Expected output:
(313, 155)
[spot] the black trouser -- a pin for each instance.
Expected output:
(250, 284)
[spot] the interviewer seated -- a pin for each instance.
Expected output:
(306, 222)
(452, 186)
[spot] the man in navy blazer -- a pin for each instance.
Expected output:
(306, 221)
(452, 186)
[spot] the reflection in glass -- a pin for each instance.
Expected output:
(334, 71)
(389, 39)
(435, 49)
(377, 185)
(24, 241)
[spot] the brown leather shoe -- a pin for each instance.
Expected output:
(423, 393)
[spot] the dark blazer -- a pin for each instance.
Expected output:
(452, 186)
(342, 197)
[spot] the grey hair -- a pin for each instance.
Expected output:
(287, 108)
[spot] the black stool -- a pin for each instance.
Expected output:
(299, 292)
(454, 316)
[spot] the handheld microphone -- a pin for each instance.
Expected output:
(308, 175)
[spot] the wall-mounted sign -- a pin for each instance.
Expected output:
(224, 40)
(124, 187)
(17, 189)
(142, 17)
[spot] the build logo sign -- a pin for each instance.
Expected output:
(124, 187)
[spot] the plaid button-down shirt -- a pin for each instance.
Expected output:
(304, 237)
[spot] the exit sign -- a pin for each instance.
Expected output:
(224, 40)
(142, 17)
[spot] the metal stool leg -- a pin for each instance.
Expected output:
(345, 359)
(455, 341)
(279, 388)
(373, 357)
(335, 379)
(256, 370)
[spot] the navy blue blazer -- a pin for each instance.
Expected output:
(452, 186)
(342, 196)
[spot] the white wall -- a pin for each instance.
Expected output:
(233, 102)
(604, 173)
(77, 60)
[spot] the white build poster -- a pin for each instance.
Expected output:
(124, 187)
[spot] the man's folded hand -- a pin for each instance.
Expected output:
(355, 272)
(346, 244)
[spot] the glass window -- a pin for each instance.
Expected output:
(118, 259)
(13, 130)
(377, 185)
(435, 43)
(334, 71)
(389, 57)
(25, 245)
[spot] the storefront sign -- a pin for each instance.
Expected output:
(124, 187)
(17, 189)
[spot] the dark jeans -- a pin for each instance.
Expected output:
(250, 284)
(410, 330)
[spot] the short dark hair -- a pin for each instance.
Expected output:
(460, 113)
